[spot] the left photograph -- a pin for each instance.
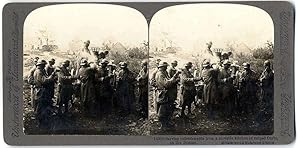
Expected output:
(85, 70)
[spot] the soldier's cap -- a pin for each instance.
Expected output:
(83, 62)
(123, 64)
(206, 63)
(188, 64)
(112, 63)
(104, 61)
(52, 60)
(41, 62)
(162, 64)
(226, 62)
(35, 59)
(157, 61)
(144, 62)
(267, 63)
(88, 41)
(174, 62)
(224, 54)
(246, 65)
(66, 62)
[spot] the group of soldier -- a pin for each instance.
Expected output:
(95, 88)
(221, 89)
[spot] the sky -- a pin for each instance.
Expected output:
(94, 22)
(191, 26)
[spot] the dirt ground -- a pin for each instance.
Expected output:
(260, 123)
(76, 123)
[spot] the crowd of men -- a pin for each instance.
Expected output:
(96, 88)
(223, 88)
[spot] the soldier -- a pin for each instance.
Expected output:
(235, 74)
(87, 90)
(104, 89)
(267, 85)
(172, 71)
(86, 47)
(188, 89)
(165, 102)
(42, 94)
(153, 83)
(123, 81)
(49, 70)
(31, 82)
(65, 87)
(226, 87)
(210, 89)
(142, 80)
(112, 72)
(248, 88)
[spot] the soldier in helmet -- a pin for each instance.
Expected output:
(171, 71)
(49, 70)
(142, 80)
(188, 88)
(87, 87)
(104, 89)
(65, 87)
(42, 94)
(124, 79)
(267, 85)
(226, 87)
(210, 88)
(248, 88)
(153, 83)
(31, 82)
(165, 101)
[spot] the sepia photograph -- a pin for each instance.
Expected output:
(85, 70)
(211, 70)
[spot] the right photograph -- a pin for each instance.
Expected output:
(211, 70)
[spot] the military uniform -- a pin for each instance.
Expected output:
(248, 89)
(188, 90)
(165, 101)
(65, 87)
(104, 90)
(87, 89)
(142, 79)
(267, 88)
(227, 90)
(32, 87)
(123, 79)
(49, 70)
(42, 94)
(210, 90)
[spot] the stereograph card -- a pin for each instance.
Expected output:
(144, 73)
